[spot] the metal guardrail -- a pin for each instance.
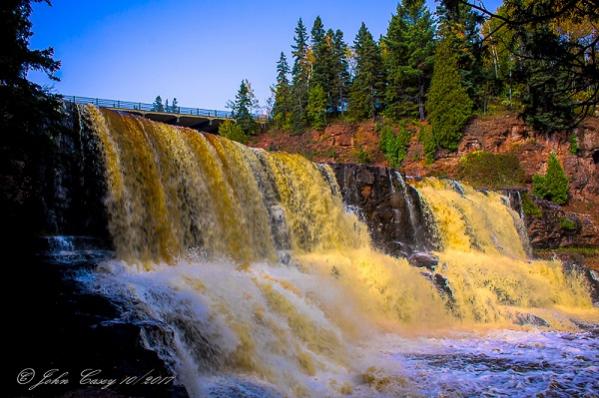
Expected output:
(143, 107)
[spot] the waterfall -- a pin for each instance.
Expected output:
(264, 281)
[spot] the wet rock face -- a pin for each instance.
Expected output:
(395, 216)
(575, 264)
(72, 181)
(556, 227)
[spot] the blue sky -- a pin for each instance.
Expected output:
(197, 51)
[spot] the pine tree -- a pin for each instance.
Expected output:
(323, 65)
(300, 77)
(242, 106)
(282, 94)
(448, 105)
(409, 59)
(461, 25)
(317, 107)
(341, 77)
(157, 106)
(367, 88)
(554, 184)
(28, 112)
(175, 106)
(319, 67)
(167, 107)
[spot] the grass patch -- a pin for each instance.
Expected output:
(483, 169)
(585, 251)
(567, 224)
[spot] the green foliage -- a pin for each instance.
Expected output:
(367, 88)
(317, 107)
(340, 73)
(530, 208)
(448, 105)
(232, 131)
(548, 105)
(554, 184)
(491, 170)
(241, 108)
(282, 108)
(573, 144)
(29, 116)
(363, 156)
(429, 145)
(394, 146)
(461, 27)
(300, 78)
(408, 57)
(567, 224)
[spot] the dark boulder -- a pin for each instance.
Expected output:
(529, 319)
(425, 260)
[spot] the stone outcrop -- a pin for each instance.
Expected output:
(396, 218)
(557, 227)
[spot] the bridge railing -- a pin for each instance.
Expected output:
(144, 107)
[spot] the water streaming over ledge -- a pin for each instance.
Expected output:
(267, 285)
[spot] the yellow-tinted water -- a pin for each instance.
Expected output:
(260, 258)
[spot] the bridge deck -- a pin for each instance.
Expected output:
(195, 118)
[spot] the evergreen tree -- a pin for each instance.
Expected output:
(175, 106)
(323, 65)
(167, 107)
(281, 112)
(157, 106)
(368, 86)
(317, 107)
(341, 77)
(242, 106)
(448, 105)
(409, 59)
(461, 25)
(320, 67)
(300, 77)
(554, 184)
(22, 102)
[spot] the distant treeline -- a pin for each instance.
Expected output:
(537, 58)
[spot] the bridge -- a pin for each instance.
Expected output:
(195, 118)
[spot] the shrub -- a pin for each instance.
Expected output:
(554, 184)
(363, 156)
(232, 131)
(567, 224)
(491, 170)
(529, 207)
(573, 144)
(394, 147)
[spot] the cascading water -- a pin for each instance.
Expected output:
(268, 286)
